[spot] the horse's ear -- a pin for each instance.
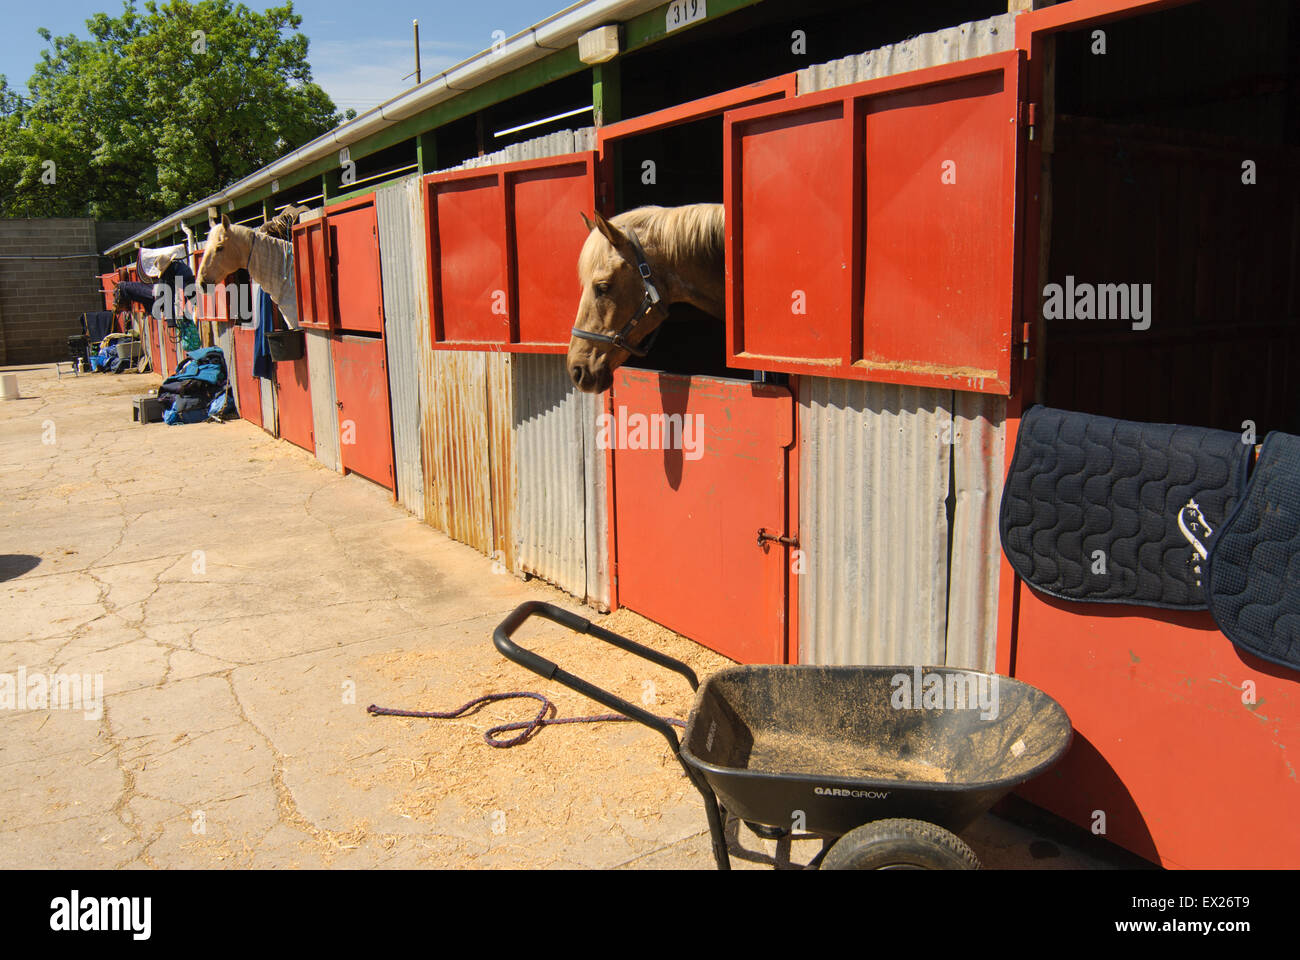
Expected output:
(590, 226)
(611, 233)
(225, 221)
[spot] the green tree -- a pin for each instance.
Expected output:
(157, 109)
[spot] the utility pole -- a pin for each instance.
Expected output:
(416, 24)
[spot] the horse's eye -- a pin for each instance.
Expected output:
(601, 288)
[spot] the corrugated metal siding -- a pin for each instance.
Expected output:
(324, 406)
(455, 413)
(962, 42)
(510, 460)
(401, 274)
(899, 571)
(980, 432)
(559, 523)
(873, 523)
(598, 521)
(457, 469)
(499, 376)
(552, 145)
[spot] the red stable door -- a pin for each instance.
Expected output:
(1187, 746)
(502, 244)
(293, 403)
(250, 388)
(166, 347)
(872, 228)
(365, 420)
(687, 518)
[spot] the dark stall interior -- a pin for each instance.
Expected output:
(669, 167)
(1153, 139)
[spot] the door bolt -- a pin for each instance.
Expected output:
(764, 537)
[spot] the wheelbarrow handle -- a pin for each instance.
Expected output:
(545, 668)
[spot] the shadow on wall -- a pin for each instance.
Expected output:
(14, 565)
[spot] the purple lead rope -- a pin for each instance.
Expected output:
(545, 717)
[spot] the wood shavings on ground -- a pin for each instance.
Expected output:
(604, 787)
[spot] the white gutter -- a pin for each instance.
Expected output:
(557, 32)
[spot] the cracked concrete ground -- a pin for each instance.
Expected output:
(242, 605)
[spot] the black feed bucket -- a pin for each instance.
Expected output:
(285, 345)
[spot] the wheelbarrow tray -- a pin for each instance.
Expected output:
(833, 743)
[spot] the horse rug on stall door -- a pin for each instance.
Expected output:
(1112, 511)
(152, 262)
(1253, 571)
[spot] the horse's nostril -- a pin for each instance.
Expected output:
(575, 372)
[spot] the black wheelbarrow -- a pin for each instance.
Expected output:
(885, 764)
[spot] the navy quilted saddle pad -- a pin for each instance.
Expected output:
(1254, 565)
(1113, 511)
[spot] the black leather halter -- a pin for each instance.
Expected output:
(651, 302)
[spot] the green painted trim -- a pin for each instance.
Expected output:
(426, 151)
(353, 194)
(607, 92)
(652, 26)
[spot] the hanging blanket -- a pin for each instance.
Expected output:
(264, 314)
(1254, 566)
(133, 292)
(97, 325)
(270, 263)
(152, 262)
(1112, 511)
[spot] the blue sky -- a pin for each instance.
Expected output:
(360, 49)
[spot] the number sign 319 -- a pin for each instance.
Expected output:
(682, 12)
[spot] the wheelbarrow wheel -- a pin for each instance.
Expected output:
(900, 844)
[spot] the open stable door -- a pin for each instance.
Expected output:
(872, 228)
(311, 274)
(356, 287)
(336, 268)
(467, 260)
(543, 203)
(503, 244)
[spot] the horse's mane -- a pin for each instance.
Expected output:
(691, 232)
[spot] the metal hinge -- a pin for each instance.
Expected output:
(764, 537)
(1029, 116)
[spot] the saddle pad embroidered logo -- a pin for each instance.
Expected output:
(1113, 511)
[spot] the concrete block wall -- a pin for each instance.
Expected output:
(48, 277)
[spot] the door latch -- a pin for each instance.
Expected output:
(764, 537)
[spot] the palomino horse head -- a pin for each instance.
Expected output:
(631, 269)
(227, 251)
